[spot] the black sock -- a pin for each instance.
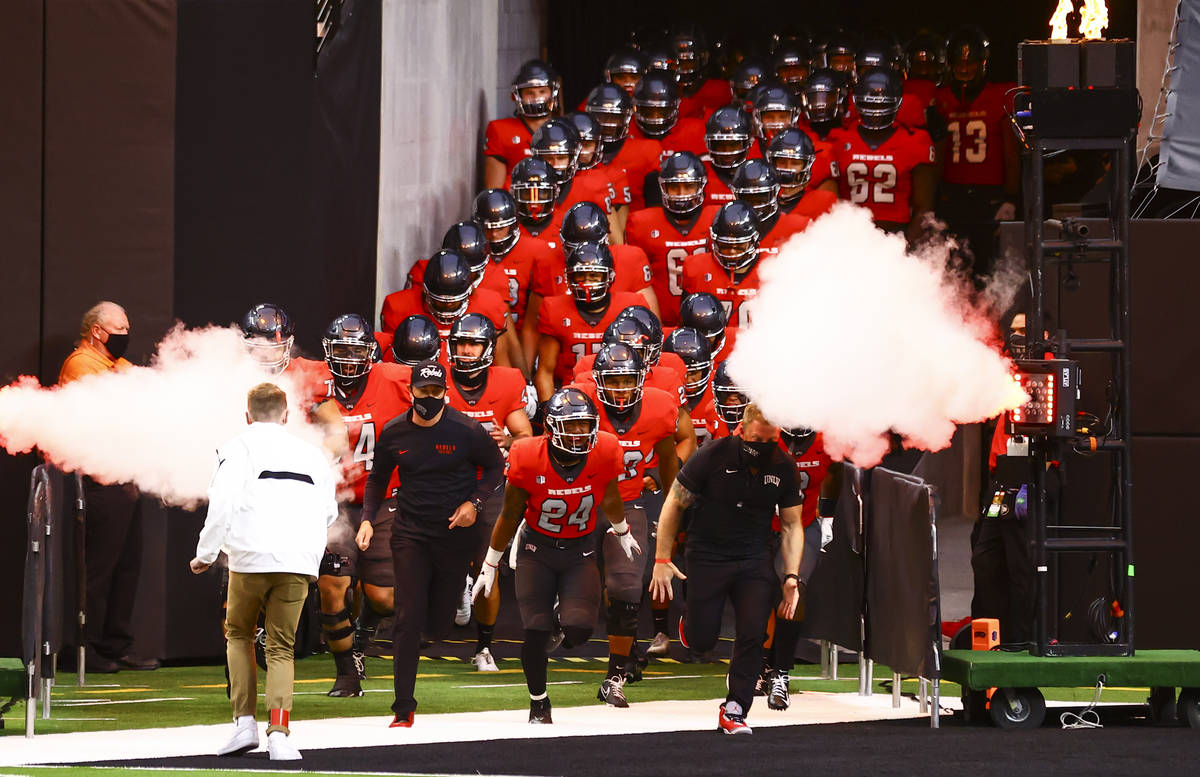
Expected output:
(484, 636)
(616, 664)
(660, 621)
(533, 660)
(344, 661)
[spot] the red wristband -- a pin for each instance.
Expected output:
(662, 561)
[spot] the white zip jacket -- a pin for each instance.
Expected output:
(270, 503)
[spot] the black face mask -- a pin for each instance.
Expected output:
(117, 345)
(758, 452)
(428, 407)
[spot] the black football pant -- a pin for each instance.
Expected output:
(1002, 561)
(751, 587)
(429, 572)
(113, 548)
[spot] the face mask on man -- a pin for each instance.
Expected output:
(758, 452)
(428, 407)
(117, 345)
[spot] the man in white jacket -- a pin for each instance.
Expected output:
(271, 500)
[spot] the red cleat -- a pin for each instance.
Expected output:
(405, 721)
(731, 719)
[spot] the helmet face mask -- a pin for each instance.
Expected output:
(877, 98)
(446, 309)
(754, 183)
(733, 236)
(589, 153)
(650, 326)
(472, 344)
(730, 398)
(268, 335)
(534, 197)
(448, 286)
(535, 90)
(691, 346)
(272, 355)
(681, 181)
(823, 100)
(798, 439)
(612, 108)
(727, 137)
(350, 347)
(572, 422)
(584, 222)
(496, 211)
(590, 273)
(791, 155)
(705, 313)
(656, 102)
(620, 376)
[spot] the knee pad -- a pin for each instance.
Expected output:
(574, 636)
(335, 565)
(622, 618)
(329, 625)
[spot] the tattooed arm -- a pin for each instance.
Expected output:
(679, 498)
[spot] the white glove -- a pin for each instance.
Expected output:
(625, 539)
(531, 400)
(515, 546)
(487, 574)
(826, 530)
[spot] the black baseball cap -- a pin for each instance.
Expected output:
(428, 373)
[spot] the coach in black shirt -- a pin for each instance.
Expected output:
(734, 485)
(448, 466)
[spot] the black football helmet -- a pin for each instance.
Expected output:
(619, 374)
(564, 410)
(557, 143)
(823, 100)
(590, 272)
(798, 439)
(792, 61)
(416, 340)
(268, 333)
(588, 130)
(967, 51)
(350, 347)
(448, 285)
(733, 237)
(661, 59)
(755, 184)
(656, 101)
(535, 74)
(791, 154)
(730, 398)
(631, 332)
(625, 67)
(925, 57)
(727, 136)
(584, 222)
(878, 51)
(612, 108)
(877, 97)
(775, 109)
(681, 180)
(691, 54)
(746, 76)
(705, 313)
(468, 239)
(840, 51)
(653, 328)
(496, 211)
(534, 186)
(472, 328)
(692, 347)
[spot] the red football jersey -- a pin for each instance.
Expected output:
(655, 419)
(975, 140)
(705, 419)
(813, 203)
(712, 94)
(557, 507)
(310, 377)
(598, 178)
(503, 394)
(399, 305)
(919, 94)
(619, 180)
(784, 227)
(493, 277)
(667, 244)
(560, 319)
(507, 140)
(518, 266)
(823, 166)
(686, 135)
(716, 191)
(881, 178)
(812, 468)
(668, 379)
(702, 272)
(385, 394)
(636, 158)
(633, 272)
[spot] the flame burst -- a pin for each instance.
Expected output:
(1093, 18)
(1058, 22)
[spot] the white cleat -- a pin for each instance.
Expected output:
(244, 738)
(484, 662)
(660, 646)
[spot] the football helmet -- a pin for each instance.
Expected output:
(565, 411)
(681, 180)
(791, 154)
(792, 61)
(625, 67)
(590, 272)
(557, 143)
(730, 398)
(661, 59)
(535, 89)
(878, 52)
(925, 57)
(350, 347)
(612, 109)
(727, 136)
(967, 51)
(823, 100)
(416, 340)
(268, 333)
(496, 211)
(534, 186)
(448, 285)
(840, 51)
(746, 76)
(588, 130)
(733, 237)
(692, 347)
(654, 331)
(691, 54)
(798, 439)
(472, 328)
(755, 184)
(775, 109)
(468, 239)
(620, 375)
(877, 97)
(631, 332)
(656, 100)
(584, 222)
(705, 313)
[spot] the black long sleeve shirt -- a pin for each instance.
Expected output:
(440, 467)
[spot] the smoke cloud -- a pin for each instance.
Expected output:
(855, 337)
(158, 426)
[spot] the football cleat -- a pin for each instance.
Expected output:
(539, 711)
(731, 719)
(402, 721)
(778, 698)
(346, 687)
(660, 646)
(633, 671)
(612, 691)
(763, 683)
(556, 639)
(484, 662)
(462, 616)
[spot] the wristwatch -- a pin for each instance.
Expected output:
(478, 505)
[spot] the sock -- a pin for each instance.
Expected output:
(484, 639)
(616, 664)
(534, 660)
(660, 621)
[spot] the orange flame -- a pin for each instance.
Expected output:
(1058, 22)
(1093, 18)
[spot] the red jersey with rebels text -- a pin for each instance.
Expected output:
(558, 507)
(577, 335)
(653, 420)
(503, 394)
(702, 272)
(667, 243)
(975, 135)
(880, 177)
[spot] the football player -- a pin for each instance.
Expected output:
(839, 54)
(415, 340)
(792, 62)
(589, 134)
(648, 425)
(918, 96)
(698, 94)
(632, 332)
(925, 58)
(705, 313)
(534, 187)
(468, 239)
(625, 68)
(656, 116)
(823, 104)
(730, 400)
(366, 395)
(748, 74)
(792, 157)
(692, 347)
(557, 143)
(728, 136)
(572, 325)
(268, 335)
(635, 158)
(775, 109)
(493, 396)
(506, 141)
(674, 230)
(558, 482)
(882, 165)
(652, 354)
(755, 184)
(509, 247)
(730, 271)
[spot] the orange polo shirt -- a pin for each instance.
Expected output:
(86, 359)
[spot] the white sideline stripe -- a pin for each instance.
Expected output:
(589, 720)
(519, 685)
(102, 702)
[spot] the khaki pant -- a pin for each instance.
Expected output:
(282, 595)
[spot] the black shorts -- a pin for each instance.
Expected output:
(372, 566)
(623, 576)
(566, 569)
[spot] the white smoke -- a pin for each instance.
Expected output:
(158, 426)
(855, 337)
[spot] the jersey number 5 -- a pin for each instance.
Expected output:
(555, 510)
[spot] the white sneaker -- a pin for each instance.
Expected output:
(484, 662)
(660, 646)
(280, 748)
(244, 739)
(463, 615)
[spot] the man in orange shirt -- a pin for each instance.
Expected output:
(113, 532)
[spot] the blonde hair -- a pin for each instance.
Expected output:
(753, 413)
(266, 402)
(94, 316)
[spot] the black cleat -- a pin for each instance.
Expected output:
(346, 688)
(612, 691)
(633, 671)
(778, 697)
(762, 685)
(348, 683)
(539, 711)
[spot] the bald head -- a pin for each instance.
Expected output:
(109, 316)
